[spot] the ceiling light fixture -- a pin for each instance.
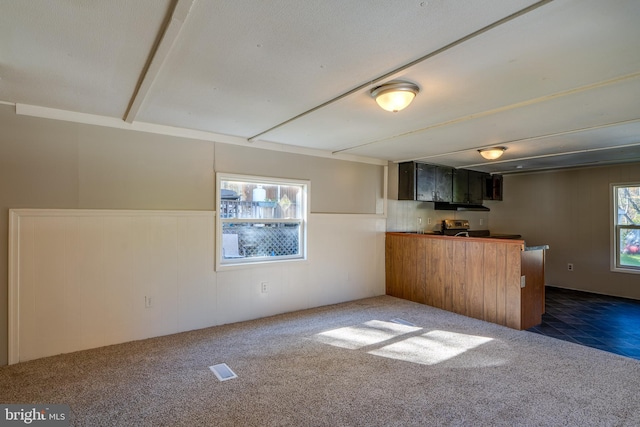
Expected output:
(492, 153)
(395, 96)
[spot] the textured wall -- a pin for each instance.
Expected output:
(571, 211)
(55, 164)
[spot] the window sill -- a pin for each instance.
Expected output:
(257, 263)
(625, 270)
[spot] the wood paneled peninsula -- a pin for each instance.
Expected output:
(496, 280)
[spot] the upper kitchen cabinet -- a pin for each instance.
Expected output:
(468, 186)
(444, 184)
(424, 182)
(493, 187)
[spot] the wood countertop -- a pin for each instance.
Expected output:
(500, 238)
(442, 236)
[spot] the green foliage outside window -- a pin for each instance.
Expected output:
(628, 226)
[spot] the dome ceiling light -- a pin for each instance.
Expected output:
(395, 96)
(492, 153)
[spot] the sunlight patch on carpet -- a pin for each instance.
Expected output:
(402, 322)
(401, 340)
(369, 333)
(431, 348)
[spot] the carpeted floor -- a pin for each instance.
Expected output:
(349, 364)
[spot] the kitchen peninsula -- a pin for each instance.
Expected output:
(496, 280)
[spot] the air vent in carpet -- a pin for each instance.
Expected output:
(223, 372)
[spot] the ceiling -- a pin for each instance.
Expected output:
(555, 82)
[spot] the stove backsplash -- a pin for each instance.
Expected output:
(406, 215)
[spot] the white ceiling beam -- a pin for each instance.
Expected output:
(159, 53)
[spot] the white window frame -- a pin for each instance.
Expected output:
(224, 264)
(615, 231)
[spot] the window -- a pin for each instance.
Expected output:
(626, 227)
(260, 219)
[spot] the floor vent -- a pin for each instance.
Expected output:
(223, 372)
(402, 322)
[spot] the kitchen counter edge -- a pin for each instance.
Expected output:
(480, 239)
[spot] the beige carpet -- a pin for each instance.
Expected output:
(342, 365)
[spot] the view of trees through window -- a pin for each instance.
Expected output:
(628, 225)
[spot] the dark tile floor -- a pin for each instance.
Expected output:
(608, 323)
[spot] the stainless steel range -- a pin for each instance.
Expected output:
(460, 227)
(455, 227)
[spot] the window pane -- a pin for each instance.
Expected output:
(240, 199)
(629, 247)
(628, 204)
(627, 226)
(252, 240)
(261, 220)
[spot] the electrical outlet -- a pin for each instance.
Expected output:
(429, 221)
(481, 221)
(264, 287)
(148, 302)
(570, 267)
(419, 220)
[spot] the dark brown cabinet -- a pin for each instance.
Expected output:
(424, 182)
(443, 184)
(468, 186)
(476, 186)
(493, 187)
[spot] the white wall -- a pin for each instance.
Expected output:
(81, 278)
